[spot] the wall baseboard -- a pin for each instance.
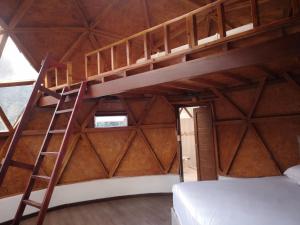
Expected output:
(92, 190)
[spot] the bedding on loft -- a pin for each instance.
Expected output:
(259, 201)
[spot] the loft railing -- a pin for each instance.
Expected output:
(58, 76)
(140, 49)
(145, 37)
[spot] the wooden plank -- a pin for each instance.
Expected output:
(257, 54)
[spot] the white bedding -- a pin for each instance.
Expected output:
(257, 201)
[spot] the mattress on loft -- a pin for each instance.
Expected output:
(256, 201)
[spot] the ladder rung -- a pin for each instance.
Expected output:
(71, 92)
(32, 203)
(21, 165)
(49, 153)
(57, 131)
(64, 111)
(39, 177)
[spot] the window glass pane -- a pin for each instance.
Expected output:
(111, 121)
(14, 66)
(13, 101)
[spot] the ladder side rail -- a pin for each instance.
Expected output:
(59, 160)
(24, 118)
(37, 167)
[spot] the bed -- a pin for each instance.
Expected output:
(255, 201)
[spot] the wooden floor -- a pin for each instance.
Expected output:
(144, 210)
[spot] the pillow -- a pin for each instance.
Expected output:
(293, 173)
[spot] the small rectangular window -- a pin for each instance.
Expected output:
(111, 121)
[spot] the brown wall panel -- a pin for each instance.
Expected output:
(270, 144)
(100, 153)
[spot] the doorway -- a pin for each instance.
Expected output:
(197, 144)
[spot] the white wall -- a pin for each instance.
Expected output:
(97, 189)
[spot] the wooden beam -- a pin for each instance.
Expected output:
(236, 150)
(113, 56)
(129, 55)
(20, 12)
(103, 13)
(5, 120)
(259, 92)
(228, 100)
(68, 155)
(3, 24)
(82, 12)
(221, 20)
(93, 41)
(146, 13)
(16, 83)
(254, 13)
(167, 40)
(35, 64)
(122, 153)
(49, 29)
(267, 148)
(191, 30)
(107, 34)
(3, 40)
(74, 45)
(257, 54)
(237, 77)
(86, 137)
(291, 81)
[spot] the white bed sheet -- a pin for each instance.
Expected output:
(256, 201)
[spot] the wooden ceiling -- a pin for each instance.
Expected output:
(69, 28)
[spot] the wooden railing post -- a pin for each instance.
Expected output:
(56, 76)
(191, 31)
(113, 53)
(254, 13)
(167, 39)
(86, 67)
(69, 73)
(147, 46)
(129, 58)
(221, 20)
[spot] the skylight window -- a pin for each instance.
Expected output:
(14, 66)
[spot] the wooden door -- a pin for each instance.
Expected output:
(205, 151)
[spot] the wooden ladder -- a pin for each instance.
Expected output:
(52, 180)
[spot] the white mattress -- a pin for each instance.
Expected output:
(257, 201)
